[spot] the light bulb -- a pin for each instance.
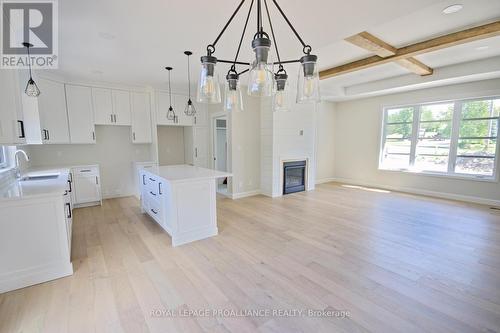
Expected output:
(279, 99)
(309, 85)
(32, 89)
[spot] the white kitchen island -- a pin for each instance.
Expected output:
(182, 200)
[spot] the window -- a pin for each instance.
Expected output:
(452, 138)
(3, 157)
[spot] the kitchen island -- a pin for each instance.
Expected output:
(182, 200)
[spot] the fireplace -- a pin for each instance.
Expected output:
(294, 177)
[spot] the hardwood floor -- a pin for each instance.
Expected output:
(391, 261)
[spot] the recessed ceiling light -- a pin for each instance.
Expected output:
(106, 35)
(453, 9)
(482, 48)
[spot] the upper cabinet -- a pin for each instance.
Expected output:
(201, 117)
(141, 117)
(121, 107)
(52, 112)
(111, 107)
(12, 130)
(80, 114)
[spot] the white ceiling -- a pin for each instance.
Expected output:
(130, 41)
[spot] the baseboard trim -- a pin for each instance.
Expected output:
(325, 180)
(245, 194)
(411, 190)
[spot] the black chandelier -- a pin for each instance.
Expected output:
(262, 81)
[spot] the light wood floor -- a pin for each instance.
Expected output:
(394, 262)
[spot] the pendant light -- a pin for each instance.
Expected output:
(262, 81)
(233, 99)
(281, 98)
(170, 113)
(208, 85)
(31, 87)
(308, 80)
(190, 110)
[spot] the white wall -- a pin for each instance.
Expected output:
(113, 151)
(325, 142)
(170, 145)
(357, 133)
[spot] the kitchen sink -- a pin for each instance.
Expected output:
(40, 177)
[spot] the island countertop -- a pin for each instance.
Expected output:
(184, 172)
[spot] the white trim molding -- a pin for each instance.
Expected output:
(241, 195)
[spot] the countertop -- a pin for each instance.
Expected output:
(18, 190)
(184, 172)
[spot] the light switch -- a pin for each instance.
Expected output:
(301, 132)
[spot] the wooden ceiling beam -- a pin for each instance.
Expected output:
(434, 44)
(367, 41)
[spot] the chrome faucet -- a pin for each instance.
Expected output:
(16, 158)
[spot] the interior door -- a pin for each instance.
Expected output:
(52, 109)
(80, 114)
(141, 118)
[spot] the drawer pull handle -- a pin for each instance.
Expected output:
(152, 179)
(154, 211)
(159, 188)
(152, 193)
(85, 170)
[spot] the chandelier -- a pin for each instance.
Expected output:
(262, 80)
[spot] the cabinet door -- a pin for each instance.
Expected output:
(80, 114)
(141, 118)
(121, 107)
(103, 106)
(52, 109)
(163, 103)
(200, 144)
(201, 117)
(86, 189)
(11, 117)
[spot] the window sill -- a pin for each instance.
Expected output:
(486, 179)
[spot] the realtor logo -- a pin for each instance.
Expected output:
(29, 21)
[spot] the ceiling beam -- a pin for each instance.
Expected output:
(367, 41)
(371, 43)
(434, 44)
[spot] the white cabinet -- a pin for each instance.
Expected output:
(196, 146)
(111, 107)
(121, 107)
(52, 112)
(80, 114)
(103, 106)
(86, 185)
(141, 117)
(11, 116)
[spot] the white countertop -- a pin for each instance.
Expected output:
(17, 190)
(184, 172)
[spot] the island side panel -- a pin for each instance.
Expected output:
(196, 210)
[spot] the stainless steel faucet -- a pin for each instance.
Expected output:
(16, 158)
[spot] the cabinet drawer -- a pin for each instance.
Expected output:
(86, 171)
(154, 210)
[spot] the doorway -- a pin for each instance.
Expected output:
(220, 150)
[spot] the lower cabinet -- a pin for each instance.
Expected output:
(86, 185)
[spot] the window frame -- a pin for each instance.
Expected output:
(454, 138)
(4, 163)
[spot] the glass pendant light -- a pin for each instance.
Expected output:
(170, 113)
(281, 98)
(308, 80)
(260, 77)
(208, 85)
(190, 110)
(31, 87)
(233, 99)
